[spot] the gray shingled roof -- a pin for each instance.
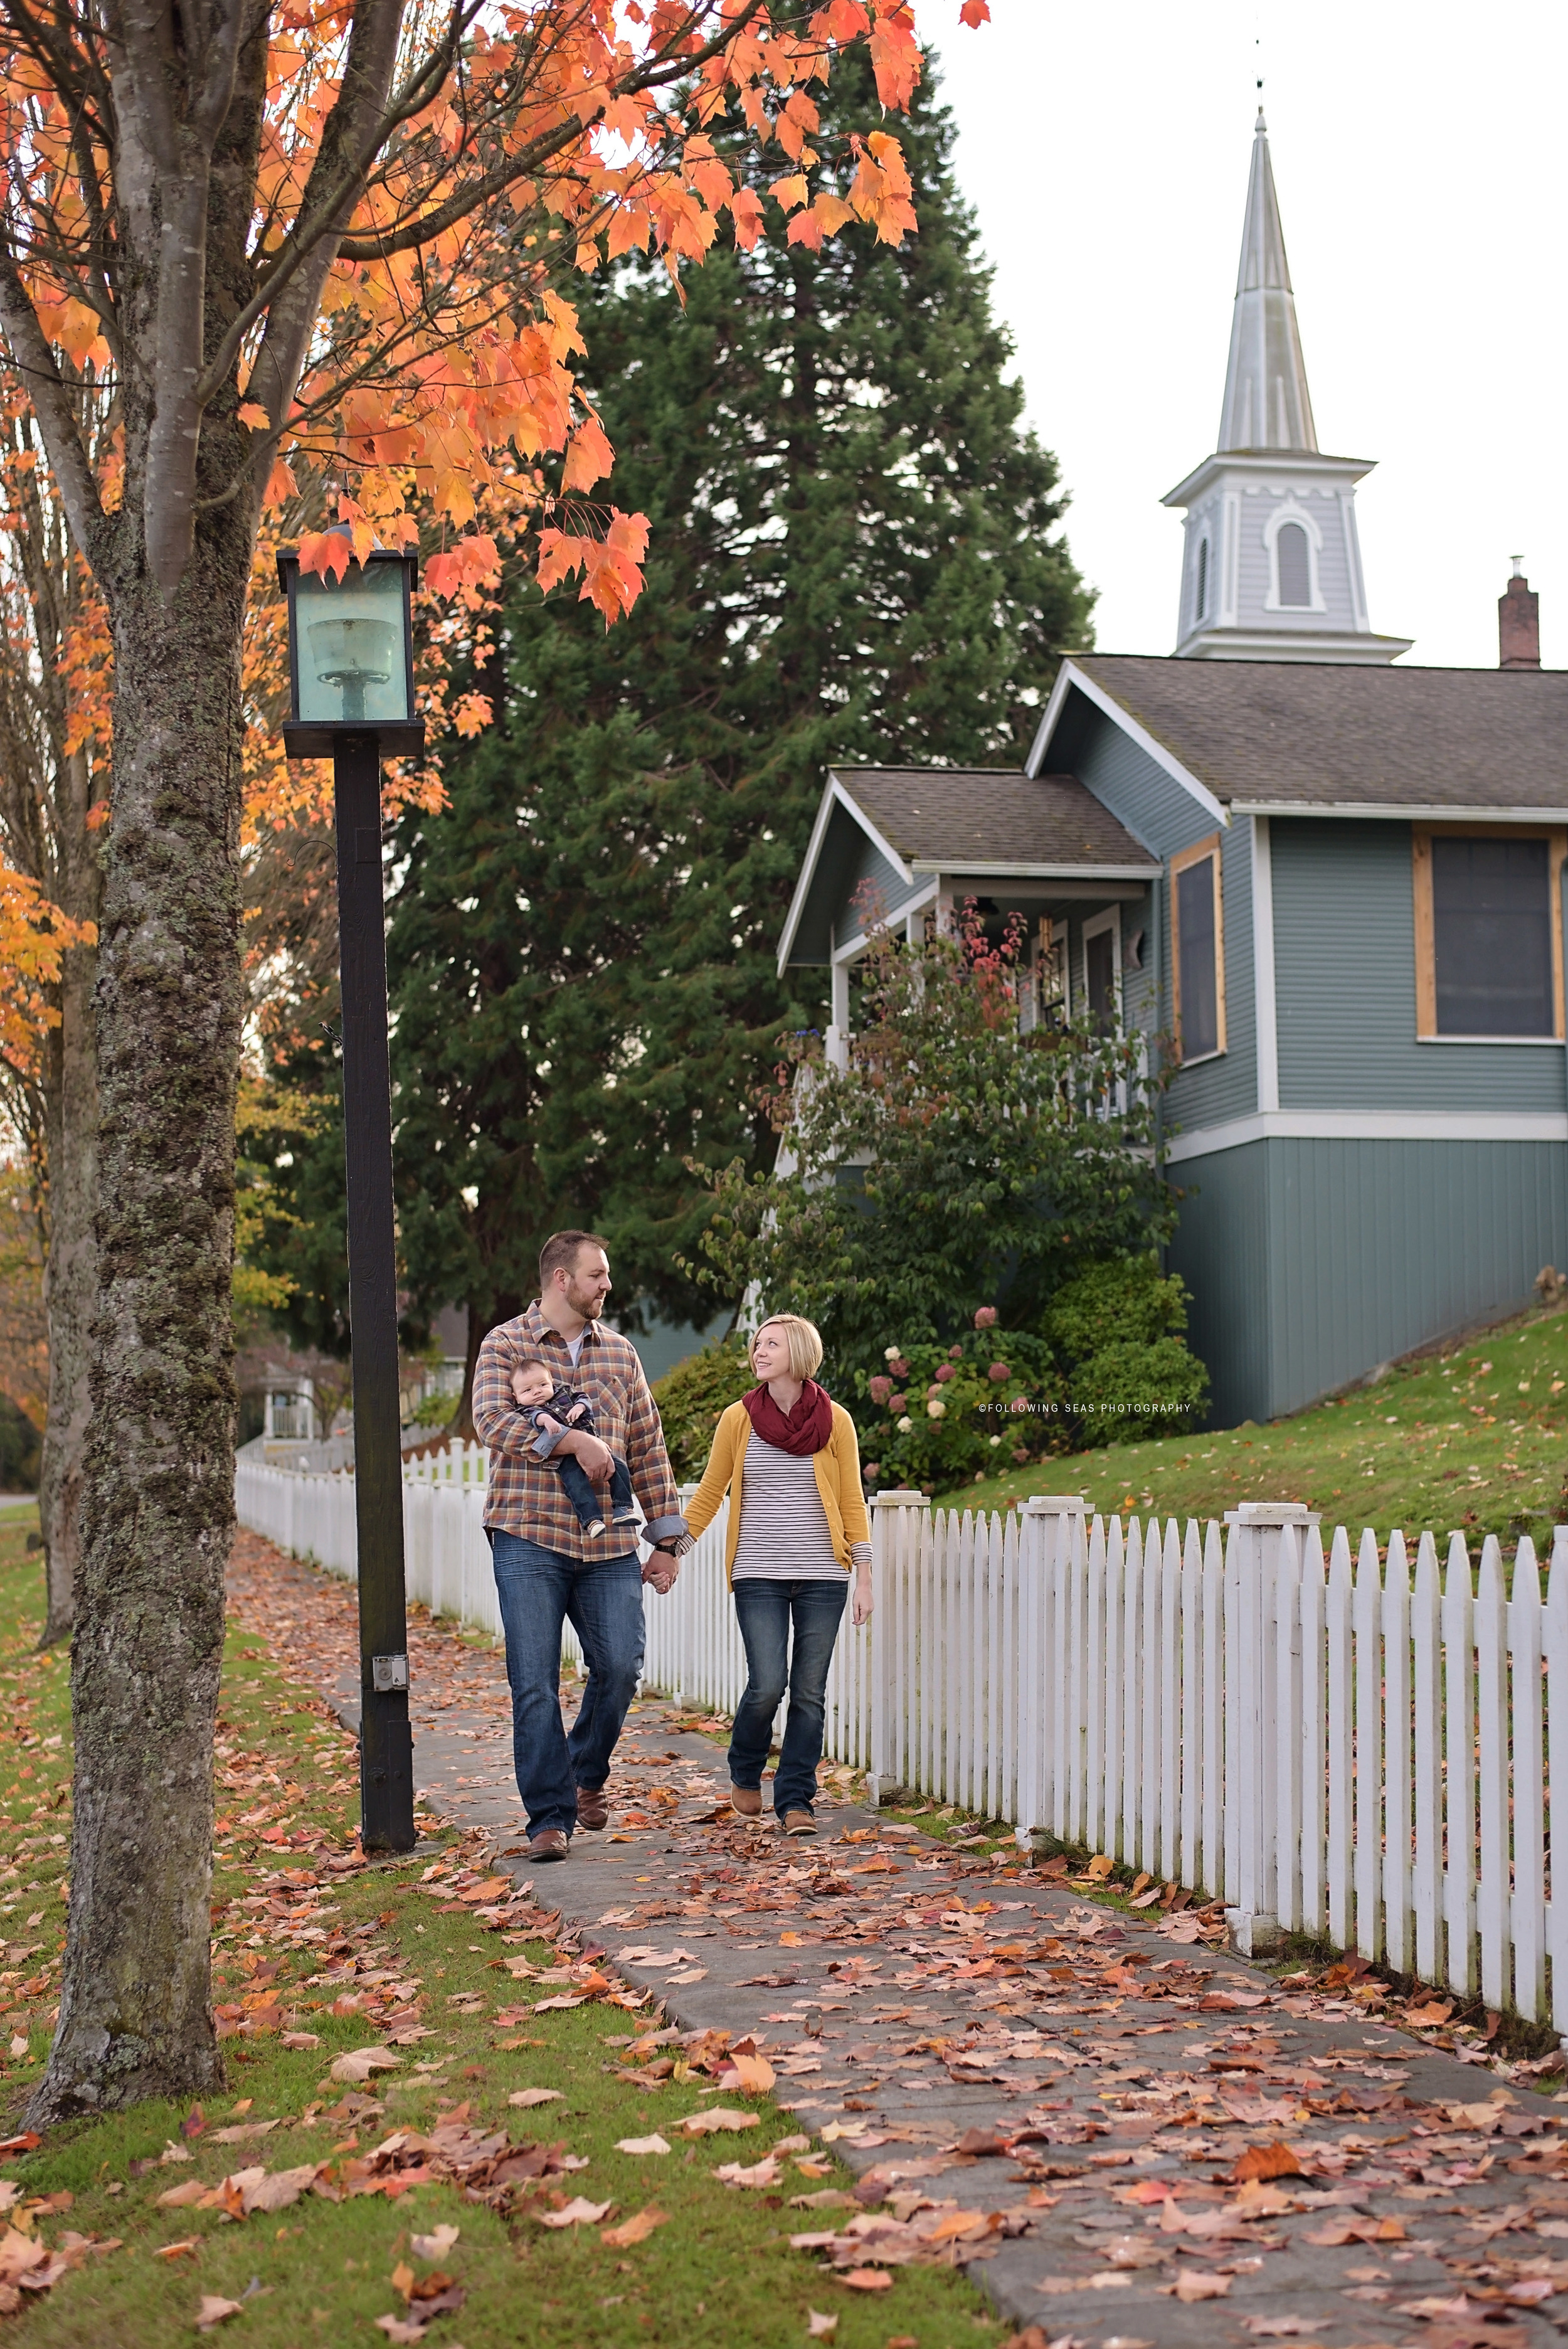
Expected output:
(976, 816)
(1333, 733)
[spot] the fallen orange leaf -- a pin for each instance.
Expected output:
(636, 2229)
(1275, 2160)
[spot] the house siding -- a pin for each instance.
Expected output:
(1222, 1251)
(1157, 810)
(1312, 1261)
(1154, 807)
(849, 860)
(1344, 986)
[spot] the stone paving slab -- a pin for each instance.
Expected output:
(723, 1968)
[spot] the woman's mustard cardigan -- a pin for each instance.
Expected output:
(837, 1470)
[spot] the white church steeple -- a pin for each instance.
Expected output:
(1273, 565)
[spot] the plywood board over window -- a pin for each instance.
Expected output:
(1488, 932)
(1198, 951)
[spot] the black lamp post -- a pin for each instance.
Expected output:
(351, 668)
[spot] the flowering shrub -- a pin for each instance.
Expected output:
(971, 1413)
(1111, 1366)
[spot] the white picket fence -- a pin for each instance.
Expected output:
(1322, 1738)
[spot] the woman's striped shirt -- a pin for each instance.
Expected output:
(784, 1535)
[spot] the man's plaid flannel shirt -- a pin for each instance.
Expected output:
(524, 1494)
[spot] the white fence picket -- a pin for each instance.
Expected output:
(1426, 1706)
(1347, 1749)
(1462, 1840)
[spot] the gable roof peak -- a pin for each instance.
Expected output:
(1267, 404)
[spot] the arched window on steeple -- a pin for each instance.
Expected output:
(1295, 568)
(1294, 542)
(1201, 602)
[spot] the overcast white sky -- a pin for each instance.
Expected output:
(1105, 150)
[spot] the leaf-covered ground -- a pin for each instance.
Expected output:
(272, 2208)
(734, 2088)
(1475, 1439)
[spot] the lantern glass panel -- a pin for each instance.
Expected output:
(350, 647)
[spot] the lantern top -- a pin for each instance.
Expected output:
(351, 655)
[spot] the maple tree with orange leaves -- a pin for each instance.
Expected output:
(316, 252)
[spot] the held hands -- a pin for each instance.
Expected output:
(861, 1605)
(661, 1568)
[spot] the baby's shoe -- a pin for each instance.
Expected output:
(596, 1527)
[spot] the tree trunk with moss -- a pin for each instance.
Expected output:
(135, 2018)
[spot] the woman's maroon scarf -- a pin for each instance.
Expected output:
(805, 1429)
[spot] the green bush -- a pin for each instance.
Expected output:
(691, 1397)
(1118, 1332)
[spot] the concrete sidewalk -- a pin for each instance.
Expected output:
(1008, 2044)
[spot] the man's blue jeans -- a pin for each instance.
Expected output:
(765, 1610)
(539, 1589)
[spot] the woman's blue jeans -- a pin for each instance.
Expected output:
(767, 1610)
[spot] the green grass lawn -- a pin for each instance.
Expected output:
(718, 2268)
(1474, 1439)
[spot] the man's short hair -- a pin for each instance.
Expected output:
(559, 1253)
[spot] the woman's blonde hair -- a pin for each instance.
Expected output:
(803, 1338)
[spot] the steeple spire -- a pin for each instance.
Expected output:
(1267, 404)
(1272, 569)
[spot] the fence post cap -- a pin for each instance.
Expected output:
(1272, 1513)
(1054, 1505)
(899, 1500)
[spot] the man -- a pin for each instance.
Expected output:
(548, 1570)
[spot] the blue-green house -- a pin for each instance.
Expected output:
(1338, 891)
(1332, 884)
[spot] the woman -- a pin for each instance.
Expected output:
(786, 1454)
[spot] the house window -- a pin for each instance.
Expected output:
(1202, 606)
(1101, 970)
(1488, 932)
(1294, 560)
(1198, 950)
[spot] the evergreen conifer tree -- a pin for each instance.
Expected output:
(855, 557)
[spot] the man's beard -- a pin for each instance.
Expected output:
(590, 1304)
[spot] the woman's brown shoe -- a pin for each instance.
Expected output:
(799, 1822)
(746, 1801)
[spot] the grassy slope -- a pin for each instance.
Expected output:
(1475, 1439)
(719, 2271)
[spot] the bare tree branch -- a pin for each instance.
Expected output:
(68, 458)
(361, 105)
(325, 209)
(658, 74)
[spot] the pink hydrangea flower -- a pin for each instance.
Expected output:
(999, 1370)
(945, 1370)
(897, 1401)
(986, 1317)
(880, 1390)
(956, 1354)
(899, 1368)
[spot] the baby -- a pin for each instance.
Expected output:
(550, 1410)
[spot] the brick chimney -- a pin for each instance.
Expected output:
(1519, 625)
